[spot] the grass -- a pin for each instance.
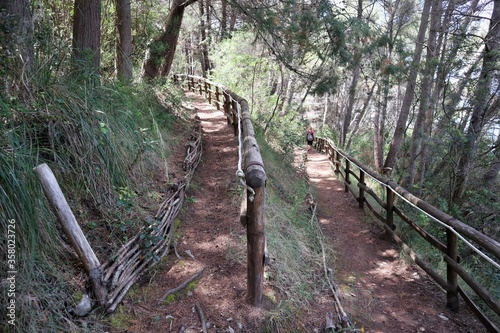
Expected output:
(295, 244)
(105, 145)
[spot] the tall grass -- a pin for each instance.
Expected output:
(295, 244)
(97, 140)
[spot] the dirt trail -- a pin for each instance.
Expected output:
(380, 291)
(383, 292)
(210, 237)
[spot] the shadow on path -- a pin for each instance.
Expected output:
(383, 292)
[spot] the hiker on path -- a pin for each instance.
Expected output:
(309, 137)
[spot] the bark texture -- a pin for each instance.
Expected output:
(161, 50)
(16, 42)
(123, 40)
(87, 35)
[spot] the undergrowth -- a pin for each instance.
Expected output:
(297, 247)
(105, 144)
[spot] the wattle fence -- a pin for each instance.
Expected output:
(386, 207)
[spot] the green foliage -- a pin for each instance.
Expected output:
(94, 139)
(294, 241)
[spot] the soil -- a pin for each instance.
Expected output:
(381, 291)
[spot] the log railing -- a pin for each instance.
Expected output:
(354, 175)
(251, 169)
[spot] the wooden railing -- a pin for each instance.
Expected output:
(251, 168)
(354, 175)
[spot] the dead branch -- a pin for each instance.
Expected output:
(342, 317)
(202, 317)
(182, 285)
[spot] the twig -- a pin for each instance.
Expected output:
(202, 317)
(182, 285)
(175, 250)
(342, 315)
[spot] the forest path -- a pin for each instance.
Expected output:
(379, 290)
(383, 292)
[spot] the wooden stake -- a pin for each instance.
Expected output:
(72, 229)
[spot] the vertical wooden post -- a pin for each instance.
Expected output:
(208, 92)
(256, 179)
(234, 114)
(227, 107)
(347, 175)
(217, 94)
(200, 87)
(361, 197)
(390, 208)
(256, 246)
(337, 162)
(452, 301)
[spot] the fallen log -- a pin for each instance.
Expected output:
(72, 229)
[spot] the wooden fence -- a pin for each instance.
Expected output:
(251, 169)
(354, 175)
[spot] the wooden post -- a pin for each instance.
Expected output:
(452, 301)
(390, 208)
(337, 162)
(234, 114)
(347, 174)
(200, 87)
(256, 179)
(217, 94)
(361, 198)
(256, 246)
(72, 230)
(208, 92)
(227, 107)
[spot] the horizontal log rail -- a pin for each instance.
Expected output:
(347, 167)
(252, 173)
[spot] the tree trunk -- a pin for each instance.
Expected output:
(223, 23)
(359, 117)
(17, 42)
(325, 112)
(87, 36)
(400, 130)
(350, 103)
(491, 176)
(482, 98)
(205, 63)
(352, 88)
(123, 63)
(162, 48)
(427, 84)
(378, 128)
